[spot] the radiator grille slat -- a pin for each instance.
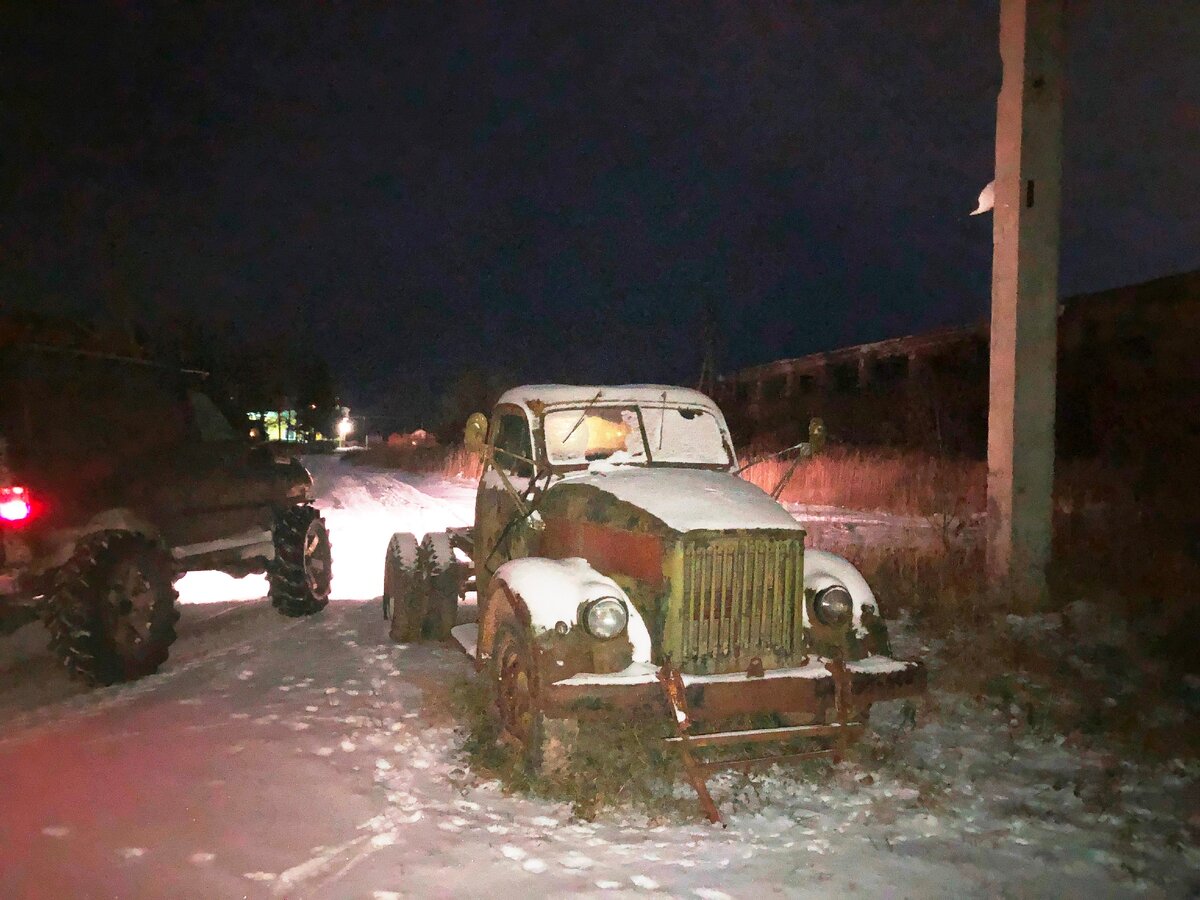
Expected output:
(741, 597)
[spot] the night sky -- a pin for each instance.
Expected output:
(558, 191)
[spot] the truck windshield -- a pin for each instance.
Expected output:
(634, 435)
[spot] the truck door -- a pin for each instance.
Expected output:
(501, 532)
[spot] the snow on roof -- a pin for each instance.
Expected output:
(691, 499)
(552, 395)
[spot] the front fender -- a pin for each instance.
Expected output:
(118, 519)
(822, 569)
(539, 593)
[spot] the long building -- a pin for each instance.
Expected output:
(1129, 377)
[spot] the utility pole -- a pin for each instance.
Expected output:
(1024, 338)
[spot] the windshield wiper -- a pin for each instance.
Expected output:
(662, 419)
(583, 415)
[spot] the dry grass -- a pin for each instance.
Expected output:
(448, 462)
(610, 764)
(1107, 659)
(909, 483)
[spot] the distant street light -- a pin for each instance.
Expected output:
(344, 428)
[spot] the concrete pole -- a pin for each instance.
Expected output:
(1025, 295)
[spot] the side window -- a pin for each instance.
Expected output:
(209, 421)
(514, 449)
(82, 408)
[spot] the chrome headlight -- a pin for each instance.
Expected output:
(605, 618)
(833, 606)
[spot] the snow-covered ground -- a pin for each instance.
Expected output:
(313, 758)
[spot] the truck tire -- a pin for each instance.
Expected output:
(442, 577)
(112, 612)
(543, 745)
(401, 583)
(301, 575)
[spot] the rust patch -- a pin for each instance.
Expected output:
(608, 550)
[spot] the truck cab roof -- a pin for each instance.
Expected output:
(536, 398)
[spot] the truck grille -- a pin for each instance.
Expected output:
(741, 598)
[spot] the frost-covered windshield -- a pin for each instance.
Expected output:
(633, 434)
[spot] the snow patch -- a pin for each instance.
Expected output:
(468, 637)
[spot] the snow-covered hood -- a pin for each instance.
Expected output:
(690, 499)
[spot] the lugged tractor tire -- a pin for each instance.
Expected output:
(301, 575)
(111, 613)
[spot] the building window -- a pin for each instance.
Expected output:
(890, 369)
(844, 377)
(775, 388)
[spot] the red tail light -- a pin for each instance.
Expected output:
(15, 504)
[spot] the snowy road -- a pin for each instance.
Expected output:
(314, 758)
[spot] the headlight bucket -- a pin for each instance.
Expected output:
(833, 606)
(605, 617)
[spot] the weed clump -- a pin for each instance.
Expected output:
(609, 764)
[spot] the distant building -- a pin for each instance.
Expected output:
(277, 424)
(1129, 378)
(418, 438)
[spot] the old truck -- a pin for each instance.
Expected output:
(620, 565)
(119, 474)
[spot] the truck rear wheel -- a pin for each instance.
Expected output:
(401, 581)
(112, 613)
(421, 582)
(301, 575)
(442, 576)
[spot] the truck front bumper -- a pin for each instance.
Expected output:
(807, 689)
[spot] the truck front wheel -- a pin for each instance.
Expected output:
(543, 744)
(301, 575)
(112, 613)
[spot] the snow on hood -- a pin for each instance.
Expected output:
(691, 499)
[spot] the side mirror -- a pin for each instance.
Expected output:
(816, 435)
(475, 435)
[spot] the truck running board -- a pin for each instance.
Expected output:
(842, 729)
